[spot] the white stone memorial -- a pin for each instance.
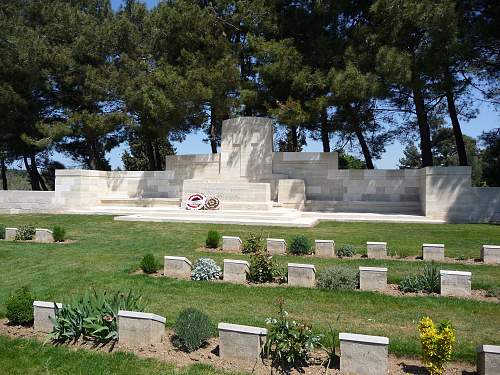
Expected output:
(43, 235)
(324, 248)
(301, 275)
(455, 283)
(177, 267)
(276, 246)
(42, 312)
(241, 342)
(235, 271)
(139, 329)
(490, 254)
(488, 360)
(363, 354)
(376, 250)
(433, 251)
(10, 234)
(372, 278)
(231, 244)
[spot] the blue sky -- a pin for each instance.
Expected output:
(193, 144)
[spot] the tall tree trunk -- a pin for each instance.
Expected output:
(33, 180)
(325, 139)
(213, 130)
(159, 161)
(150, 154)
(364, 147)
(295, 141)
(423, 126)
(457, 131)
(34, 170)
(4, 174)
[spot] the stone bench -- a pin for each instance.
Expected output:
(43, 235)
(235, 271)
(140, 329)
(177, 267)
(363, 355)
(301, 275)
(42, 312)
(455, 283)
(488, 360)
(325, 248)
(231, 244)
(372, 278)
(10, 234)
(241, 342)
(490, 254)
(376, 250)
(276, 246)
(433, 251)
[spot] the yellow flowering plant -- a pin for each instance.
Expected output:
(437, 344)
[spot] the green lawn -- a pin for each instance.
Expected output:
(106, 251)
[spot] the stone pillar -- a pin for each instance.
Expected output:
(325, 248)
(490, 254)
(241, 342)
(372, 278)
(177, 267)
(292, 193)
(376, 250)
(433, 251)
(455, 283)
(276, 246)
(301, 275)
(231, 244)
(235, 271)
(140, 329)
(364, 355)
(488, 360)
(43, 235)
(42, 312)
(10, 234)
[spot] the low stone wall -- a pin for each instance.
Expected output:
(25, 201)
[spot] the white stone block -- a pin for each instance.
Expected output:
(276, 246)
(43, 235)
(241, 342)
(301, 275)
(235, 271)
(455, 283)
(140, 329)
(363, 354)
(10, 234)
(433, 251)
(376, 250)
(372, 278)
(325, 248)
(177, 267)
(490, 254)
(488, 360)
(231, 244)
(42, 312)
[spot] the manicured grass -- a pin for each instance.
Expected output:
(106, 251)
(25, 357)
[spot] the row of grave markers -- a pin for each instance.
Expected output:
(453, 283)
(376, 250)
(360, 354)
(41, 235)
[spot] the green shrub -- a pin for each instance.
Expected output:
(149, 264)
(25, 232)
(213, 239)
(428, 281)
(300, 245)
(192, 330)
(206, 269)
(338, 278)
(59, 233)
(288, 342)
(261, 268)
(493, 292)
(20, 307)
(93, 317)
(345, 251)
(280, 273)
(437, 344)
(253, 243)
(2, 232)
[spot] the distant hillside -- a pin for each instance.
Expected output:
(17, 180)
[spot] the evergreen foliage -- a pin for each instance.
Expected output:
(20, 307)
(192, 330)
